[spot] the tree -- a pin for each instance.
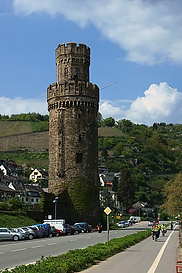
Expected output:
(126, 125)
(99, 119)
(173, 193)
(106, 198)
(126, 189)
(110, 122)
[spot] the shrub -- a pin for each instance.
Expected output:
(80, 259)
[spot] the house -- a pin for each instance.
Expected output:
(9, 167)
(27, 192)
(106, 179)
(37, 175)
(21, 188)
(5, 192)
(3, 169)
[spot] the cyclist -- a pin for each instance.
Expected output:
(163, 229)
(156, 231)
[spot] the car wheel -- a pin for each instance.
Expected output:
(30, 236)
(15, 238)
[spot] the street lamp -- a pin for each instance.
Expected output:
(55, 203)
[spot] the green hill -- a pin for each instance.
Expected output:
(153, 155)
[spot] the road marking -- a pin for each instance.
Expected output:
(1, 253)
(20, 249)
(52, 244)
(157, 259)
(37, 246)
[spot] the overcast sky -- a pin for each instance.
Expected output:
(136, 54)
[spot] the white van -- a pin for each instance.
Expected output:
(59, 224)
(135, 219)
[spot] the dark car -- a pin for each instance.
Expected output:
(38, 233)
(44, 229)
(67, 229)
(53, 232)
(84, 226)
(77, 229)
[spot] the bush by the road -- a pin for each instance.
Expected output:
(80, 259)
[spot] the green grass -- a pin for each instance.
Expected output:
(18, 220)
(33, 159)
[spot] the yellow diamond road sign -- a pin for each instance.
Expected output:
(107, 210)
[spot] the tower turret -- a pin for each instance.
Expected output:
(72, 62)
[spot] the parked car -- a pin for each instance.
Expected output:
(67, 229)
(9, 234)
(77, 229)
(38, 233)
(89, 228)
(84, 226)
(44, 229)
(61, 232)
(31, 232)
(21, 230)
(122, 224)
(53, 232)
(150, 223)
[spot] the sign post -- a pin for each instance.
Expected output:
(107, 212)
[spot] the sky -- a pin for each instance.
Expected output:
(136, 54)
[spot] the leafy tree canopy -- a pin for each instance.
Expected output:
(173, 192)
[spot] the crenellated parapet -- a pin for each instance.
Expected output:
(76, 95)
(80, 90)
(73, 48)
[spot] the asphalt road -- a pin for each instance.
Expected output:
(25, 252)
(147, 256)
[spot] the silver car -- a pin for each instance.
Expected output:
(121, 224)
(8, 234)
(25, 232)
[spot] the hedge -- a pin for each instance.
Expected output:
(80, 259)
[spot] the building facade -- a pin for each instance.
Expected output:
(73, 131)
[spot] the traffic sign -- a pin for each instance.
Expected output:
(107, 210)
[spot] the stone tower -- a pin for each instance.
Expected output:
(73, 131)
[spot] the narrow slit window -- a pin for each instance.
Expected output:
(79, 157)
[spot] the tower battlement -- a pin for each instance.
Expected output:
(72, 48)
(80, 89)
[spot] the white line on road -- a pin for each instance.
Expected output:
(52, 244)
(37, 246)
(1, 253)
(157, 259)
(20, 249)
